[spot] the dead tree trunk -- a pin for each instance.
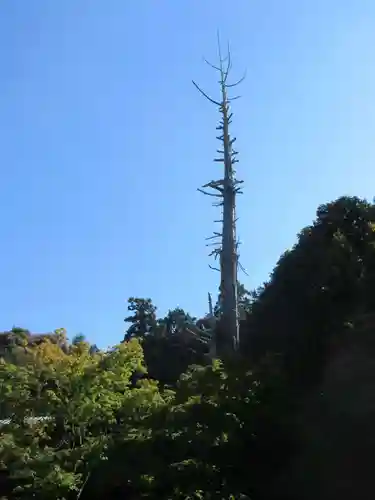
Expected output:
(226, 189)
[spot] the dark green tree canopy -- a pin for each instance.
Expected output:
(143, 319)
(316, 287)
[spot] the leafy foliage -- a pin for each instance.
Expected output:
(65, 410)
(315, 289)
(164, 339)
(78, 426)
(154, 417)
(143, 319)
(196, 440)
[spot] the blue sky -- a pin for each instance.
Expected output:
(104, 140)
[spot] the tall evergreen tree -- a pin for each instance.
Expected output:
(143, 319)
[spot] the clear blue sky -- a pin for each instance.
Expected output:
(104, 140)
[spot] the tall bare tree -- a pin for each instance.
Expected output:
(225, 190)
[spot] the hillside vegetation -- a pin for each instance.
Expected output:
(155, 417)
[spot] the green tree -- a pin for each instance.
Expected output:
(88, 404)
(315, 289)
(244, 299)
(225, 431)
(143, 319)
(172, 346)
(94, 349)
(198, 439)
(78, 339)
(175, 321)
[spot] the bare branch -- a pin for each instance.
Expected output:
(231, 85)
(214, 184)
(215, 235)
(196, 335)
(212, 66)
(218, 189)
(209, 194)
(216, 252)
(213, 255)
(243, 269)
(229, 66)
(219, 49)
(205, 95)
